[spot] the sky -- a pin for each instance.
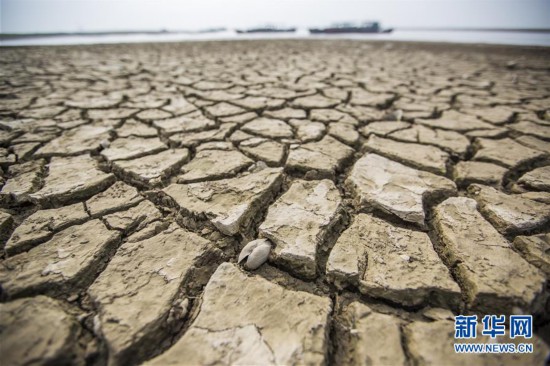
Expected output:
(43, 16)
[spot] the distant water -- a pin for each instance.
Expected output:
(487, 37)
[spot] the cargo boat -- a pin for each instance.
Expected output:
(267, 29)
(367, 27)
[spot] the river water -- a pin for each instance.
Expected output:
(484, 37)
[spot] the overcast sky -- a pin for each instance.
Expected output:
(28, 16)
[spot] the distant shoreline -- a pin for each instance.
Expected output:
(520, 30)
(15, 36)
(8, 36)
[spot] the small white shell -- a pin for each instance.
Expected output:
(255, 253)
(97, 326)
(398, 114)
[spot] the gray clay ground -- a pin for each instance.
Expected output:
(399, 185)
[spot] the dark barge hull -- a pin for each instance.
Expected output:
(266, 30)
(348, 30)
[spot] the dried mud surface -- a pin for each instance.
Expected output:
(398, 183)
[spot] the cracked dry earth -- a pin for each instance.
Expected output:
(399, 185)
